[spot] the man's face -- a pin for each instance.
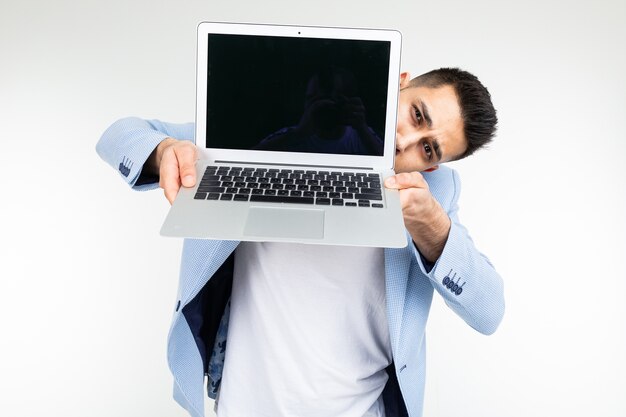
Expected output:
(430, 128)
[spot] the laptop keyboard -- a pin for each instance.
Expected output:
(336, 188)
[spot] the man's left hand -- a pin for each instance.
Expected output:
(424, 218)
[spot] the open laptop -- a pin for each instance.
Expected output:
(296, 133)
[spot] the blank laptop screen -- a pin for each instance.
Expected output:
(297, 94)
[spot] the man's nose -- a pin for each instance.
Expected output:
(403, 140)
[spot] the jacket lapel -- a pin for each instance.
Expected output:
(397, 264)
(201, 258)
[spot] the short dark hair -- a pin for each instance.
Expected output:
(479, 115)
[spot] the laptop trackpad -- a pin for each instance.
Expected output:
(285, 222)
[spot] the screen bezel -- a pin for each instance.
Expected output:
(205, 29)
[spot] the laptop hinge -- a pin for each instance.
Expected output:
(292, 165)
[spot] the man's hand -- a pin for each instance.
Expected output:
(175, 162)
(424, 218)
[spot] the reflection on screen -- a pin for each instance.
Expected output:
(297, 94)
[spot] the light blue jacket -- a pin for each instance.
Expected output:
(463, 276)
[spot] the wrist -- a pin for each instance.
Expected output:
(153, 164)
(430, 232)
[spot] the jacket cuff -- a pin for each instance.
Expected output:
(129, 156)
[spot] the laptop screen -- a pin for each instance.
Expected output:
(297, 94)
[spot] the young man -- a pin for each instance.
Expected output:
(307, 330)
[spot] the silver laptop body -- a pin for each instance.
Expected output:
(296, 133)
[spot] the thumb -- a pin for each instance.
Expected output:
(186, 162)
(188, 176)
(406, 180)
(391, 182)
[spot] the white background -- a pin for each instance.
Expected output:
(87, 286)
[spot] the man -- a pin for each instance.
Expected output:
(311, 330)
(333, 121)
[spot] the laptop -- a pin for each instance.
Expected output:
(295, 127)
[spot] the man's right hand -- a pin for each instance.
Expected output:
(175, 162)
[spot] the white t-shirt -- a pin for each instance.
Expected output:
(308, 332)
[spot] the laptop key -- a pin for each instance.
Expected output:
(362, 196)
(370, 190)
(241, 197)
(364, 203)
(281, 199)
(257, 191)
(323, 201)
(377, 205)
(211, 189)
(199, 196)
(226, 197)
(213, 196)
(337, 202)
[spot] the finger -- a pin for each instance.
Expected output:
(186, 156)
(169, 175)
(406, 180)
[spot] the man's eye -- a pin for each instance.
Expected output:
(418, 114)
(428, 150)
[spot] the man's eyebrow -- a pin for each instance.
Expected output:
(426, 115)
(437, 149)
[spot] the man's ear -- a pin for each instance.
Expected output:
(431, 169)
(405, 77)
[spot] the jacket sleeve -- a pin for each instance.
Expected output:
(465, 278)
(127, 144)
